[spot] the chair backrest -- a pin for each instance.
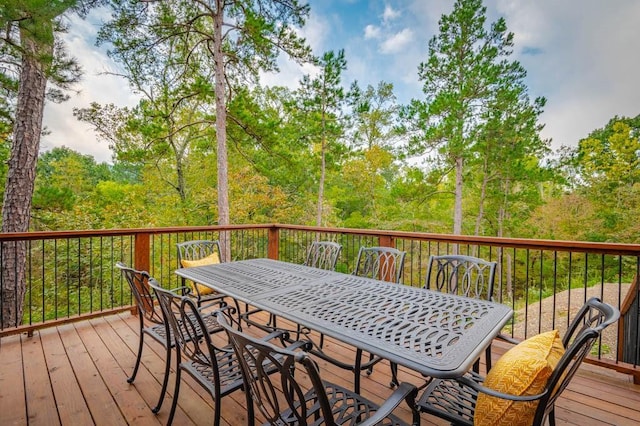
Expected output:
(584, 330)
(258, 359)
(323, 255)
(197, 249)
(463, 275)
(139, 283)
(381, 263)
(187, 327)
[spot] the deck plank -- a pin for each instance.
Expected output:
(67, 392)
(101, 343)
(99, 400)
(76, 374)
(41, 404)
(12, 398)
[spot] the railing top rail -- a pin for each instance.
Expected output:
(48, 235)
(521, 243)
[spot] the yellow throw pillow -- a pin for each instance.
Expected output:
(213, 258)
(523, 370)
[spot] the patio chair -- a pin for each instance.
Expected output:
(148, 311)
(321, 402)
(215, 368)
(159, 330)
(380, 263)
(199, 253)
(323, 255)
(467, 276)
(524, 384)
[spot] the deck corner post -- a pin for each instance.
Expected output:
(273, 245)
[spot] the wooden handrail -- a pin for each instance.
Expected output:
(522, 243)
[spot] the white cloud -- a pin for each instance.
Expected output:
(583, 61)
(397, 42)
(315, 32)
(390, 14)
(371, 31)
(64, 128)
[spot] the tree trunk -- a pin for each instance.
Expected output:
(457, 212)
(322, 170)
(483, 196)
(21, 174)
(321, 184)
(502, 216)
(221, 133)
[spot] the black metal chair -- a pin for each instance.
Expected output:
(215, 368)
(380, 263)
(323, 255)
(456, 400)
(147, 310)
(320, 403)
(199, 253)
(467, 276)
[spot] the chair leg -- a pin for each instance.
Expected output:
(140, 346)
(217, 407)
(165, 382)
(552, 416)
(394, 375)
(370, 369)
(356, 371)
(176, 392)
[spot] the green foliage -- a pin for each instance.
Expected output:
(607, 173)
(476, 126)
(165, 163)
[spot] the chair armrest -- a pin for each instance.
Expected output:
(473, 381)
(281, 335)
(404, 392)
(305, 345)
(183, 290)
(214, 303)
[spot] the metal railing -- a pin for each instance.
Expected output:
(71, 275)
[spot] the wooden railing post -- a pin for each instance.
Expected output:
(273, 244)
(141, 253)
(387, 241)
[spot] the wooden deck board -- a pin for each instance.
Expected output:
(68, 395)
(12, 398)
(76, 374)
(41, 404)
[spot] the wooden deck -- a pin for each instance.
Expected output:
(76, 375)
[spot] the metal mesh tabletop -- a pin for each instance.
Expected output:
(247, 279)
(434, 333)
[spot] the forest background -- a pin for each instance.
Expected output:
(465, 156)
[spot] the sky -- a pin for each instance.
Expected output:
(583, 56)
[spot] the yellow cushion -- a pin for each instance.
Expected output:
(213, 258)
(523, 370)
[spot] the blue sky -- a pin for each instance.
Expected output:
(582, 55)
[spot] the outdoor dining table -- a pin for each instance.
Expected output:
(436, 334)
